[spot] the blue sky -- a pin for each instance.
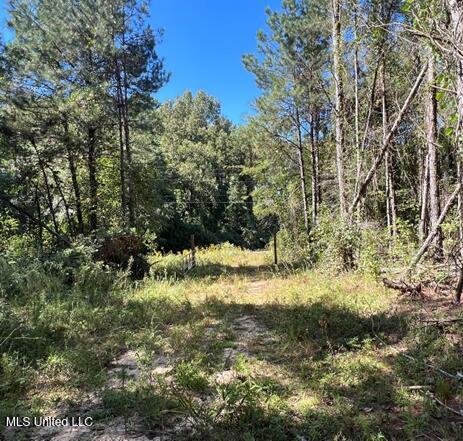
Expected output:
(202, 47)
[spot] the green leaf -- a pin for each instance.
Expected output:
(448, 131)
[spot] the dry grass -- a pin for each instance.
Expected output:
(243, 350)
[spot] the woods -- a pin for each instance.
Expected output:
(87, 150)
(346, 119)
(131, 224)
(381, 102)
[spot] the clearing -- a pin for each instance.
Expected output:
(241, 350)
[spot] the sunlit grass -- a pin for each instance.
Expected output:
(319, 360)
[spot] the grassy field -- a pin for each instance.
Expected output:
(238, 350)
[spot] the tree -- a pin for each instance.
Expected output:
(339, 103)
(431, 140)
(81, 69)
(292, 80)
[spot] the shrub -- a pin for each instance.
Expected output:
(373, 249)
(123, 252)
(189, 376)
(335, 244)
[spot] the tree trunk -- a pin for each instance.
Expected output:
(47, 187)
(65, 202)
(390, 190)
(379, 158)
(339, 105)
(315, 172)
(49, 197)
(456, 23)
(459, 287)
(92, 179)
(456, 13)
(120, 118)
(431, 141)
(434, 230)
(39, 218)
(357, 102)
(424, 189)
(128, 149)
(371, 104)
(119, 102)
(302, 174)
(75, 182)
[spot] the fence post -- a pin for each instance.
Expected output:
(275, 257)
(193, 251)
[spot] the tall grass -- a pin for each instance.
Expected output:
(323, 362)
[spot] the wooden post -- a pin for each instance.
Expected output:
(275, 256)
(193, 251)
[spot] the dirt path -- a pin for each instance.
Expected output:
(124, 368)
(248, 333)
(294, 348)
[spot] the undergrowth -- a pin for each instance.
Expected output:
(331, 359)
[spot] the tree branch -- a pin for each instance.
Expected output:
(363, 188)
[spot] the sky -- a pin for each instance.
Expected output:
(202, 46)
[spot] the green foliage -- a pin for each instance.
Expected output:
(335, 244)
(404, 244)
(188, 375)
(209, 189)
(143, 400)
(373, 250)
(45, 304)
(322, 363)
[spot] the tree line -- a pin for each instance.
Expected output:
(86, 149)
(357, 128)
(361, 109)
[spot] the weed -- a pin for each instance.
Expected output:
(309, 363)
(189, 376)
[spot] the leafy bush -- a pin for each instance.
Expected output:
(373, 250)
(404, 244)
(335, 244)
(125, 252)
(49, 304)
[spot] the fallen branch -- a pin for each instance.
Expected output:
(416, 387)
(9, 335)
(435, 229)
(379, 158)
(451, 409)
(403, 287)
(457, 377)
(442, 322)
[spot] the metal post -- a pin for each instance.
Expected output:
(275, 257)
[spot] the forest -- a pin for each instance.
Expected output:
(169, 274)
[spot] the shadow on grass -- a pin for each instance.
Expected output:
(330, 351)
(212, 271)
(356, 388)
(216, 270)
(333, 354)
(326, 328)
